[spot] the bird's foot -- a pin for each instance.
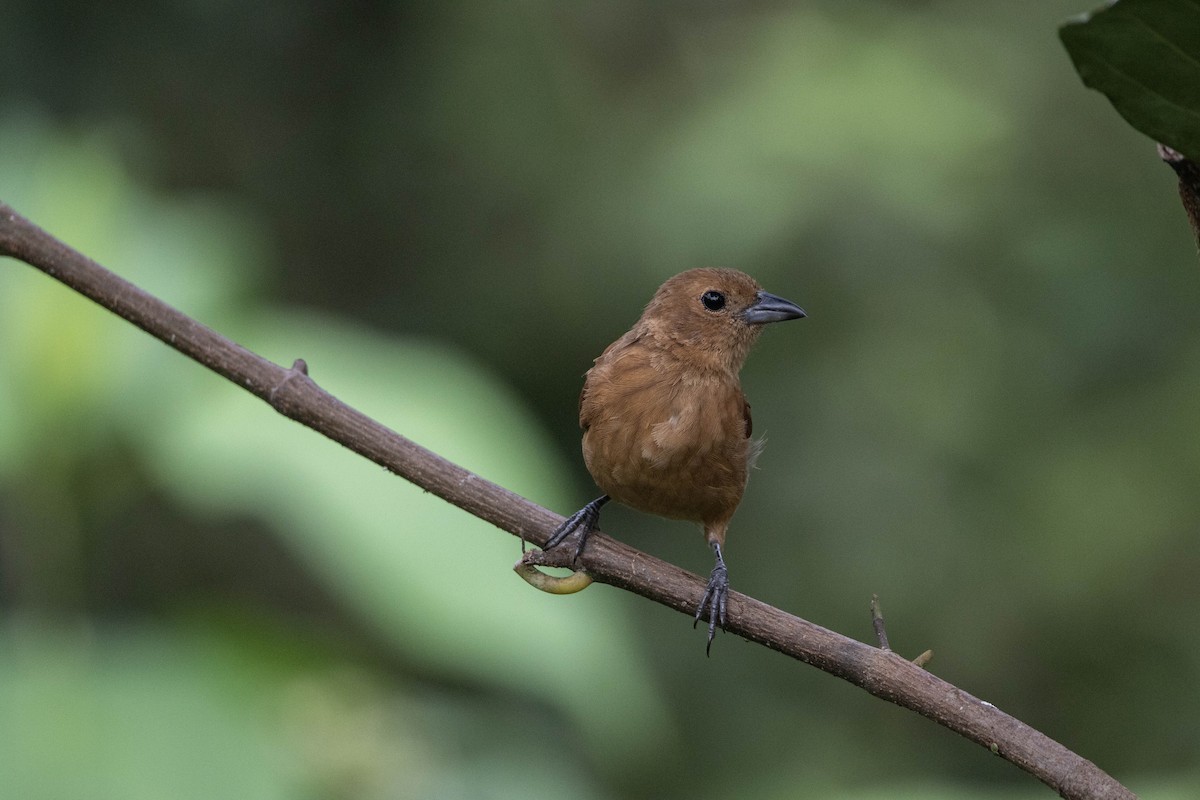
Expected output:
(715, 600)
(584, 520)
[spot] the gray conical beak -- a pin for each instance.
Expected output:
(769, 308)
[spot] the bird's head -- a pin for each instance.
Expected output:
(715, 315)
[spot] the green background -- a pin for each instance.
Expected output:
(448, 209)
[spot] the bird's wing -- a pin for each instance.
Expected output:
(746, 416)
(597, 374)
(585, 417)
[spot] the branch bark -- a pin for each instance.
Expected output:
(292, 393)
(1189, 185)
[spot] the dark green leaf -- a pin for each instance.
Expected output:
(1145, 56)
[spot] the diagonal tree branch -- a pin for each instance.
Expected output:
(292, 393)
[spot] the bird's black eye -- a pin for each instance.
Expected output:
(713, 300)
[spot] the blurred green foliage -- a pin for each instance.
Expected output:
(448, 209)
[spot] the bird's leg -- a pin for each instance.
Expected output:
(584, 520)
(715, 599)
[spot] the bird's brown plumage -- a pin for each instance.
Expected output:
(666, 428)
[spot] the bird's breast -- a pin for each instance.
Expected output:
(667, 445)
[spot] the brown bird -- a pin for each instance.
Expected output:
(666, 428)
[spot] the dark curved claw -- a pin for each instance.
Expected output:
(715, 601)
(584, 520)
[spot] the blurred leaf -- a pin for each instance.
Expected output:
(64, 361)
(1145, 56)
(435, 580)
(134, 715)
(141, 712)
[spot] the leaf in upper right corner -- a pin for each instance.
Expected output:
(1145, 56)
